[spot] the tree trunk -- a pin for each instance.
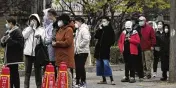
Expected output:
(172, 69)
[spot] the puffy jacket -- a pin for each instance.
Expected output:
(82, 40)
(148, 38)
(134, 42)
(30, 40)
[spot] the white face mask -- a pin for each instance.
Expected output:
(141, 23)
(76, 25)
(160, 26)
(60, 23)
(7, 26)
(166, 30)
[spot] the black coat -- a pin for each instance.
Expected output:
(106, 38)
(14, 47)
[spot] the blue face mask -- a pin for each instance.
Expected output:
(141, 23)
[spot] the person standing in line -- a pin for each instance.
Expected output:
(165, 49)
(128, 45)
(106, 38)
(49, 19)
(159, 41)
(148, 41)
(31, 35)
(139, 67)
(64, 44)
(82, 49)
(13, 42)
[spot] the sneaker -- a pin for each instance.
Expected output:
(132, 80)
(154, 74)
(77, 86)
(163, 79)
(113, 83)
(83, 85)
(148, 77)
(125, 79)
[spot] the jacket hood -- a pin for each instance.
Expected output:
(71, 24)
(35, 15)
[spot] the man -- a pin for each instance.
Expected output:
(139, 67)
(49, 24)
(106, 37)
(82, 41)
(13, 42)
(148, 40)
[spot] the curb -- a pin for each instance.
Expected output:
(89, 69)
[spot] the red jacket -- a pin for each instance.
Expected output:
(148, 38)
(134, 42)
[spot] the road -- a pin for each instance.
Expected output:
(92, 80)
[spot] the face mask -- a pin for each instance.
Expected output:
(128, 29)
(60, 23)
(141, 23)
(7, 26)
(105, 24)
(160, 26)
(166, 30)
(76, 25)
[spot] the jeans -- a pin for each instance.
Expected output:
(103, 68)
(29, 60)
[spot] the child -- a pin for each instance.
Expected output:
(128, 45)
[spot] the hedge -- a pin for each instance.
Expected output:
(115, 56)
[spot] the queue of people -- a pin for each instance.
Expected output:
(139, 43)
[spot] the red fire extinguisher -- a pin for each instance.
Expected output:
(5, 77)
(62, 81)
(49, 77)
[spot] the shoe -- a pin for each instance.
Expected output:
(154, 74)
(113, 83)
(125, 79)
(77, 86)
(148, 77)
(132, 80)
(163, 79)
(83, 85)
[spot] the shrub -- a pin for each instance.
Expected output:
(115, 56)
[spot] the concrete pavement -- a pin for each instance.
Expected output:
(92, 80)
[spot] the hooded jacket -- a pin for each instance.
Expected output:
(134, 42)
(13, 46)
(82, 39)
(31, 41)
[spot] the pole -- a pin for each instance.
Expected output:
(172, 66)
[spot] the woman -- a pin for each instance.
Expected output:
(13, 42)
(157, 53)
(31, 35)
(106, 37)
(165, 53)
(128, 45)
(64, 45)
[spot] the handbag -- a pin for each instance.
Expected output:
(41, 53)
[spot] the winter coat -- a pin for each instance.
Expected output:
(30, 40)
(64, 49)
(82, 40)
(148, 38)
(13, 46)
(134, 42)
(106, 38)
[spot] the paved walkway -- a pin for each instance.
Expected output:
(92, 80)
